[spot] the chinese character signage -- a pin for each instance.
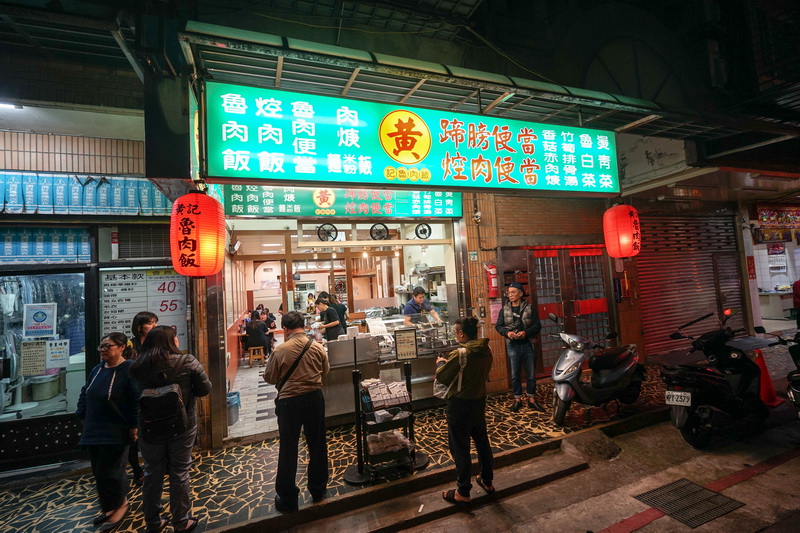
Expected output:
(39, 320)
(126, 292)
(257, 200)
(270, 134)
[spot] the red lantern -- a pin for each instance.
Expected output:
(197, 235)
(622, 231)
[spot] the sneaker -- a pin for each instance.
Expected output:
(517, 406)
(535, 406)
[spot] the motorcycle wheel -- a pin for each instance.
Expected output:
(694, 435)
(560, 408)
(631, 392)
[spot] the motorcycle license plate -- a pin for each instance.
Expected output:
(678, 398)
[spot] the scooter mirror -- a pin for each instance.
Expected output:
(760, 329)
(552, 317)
(677, 335)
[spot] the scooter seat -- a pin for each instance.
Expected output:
(610, 358)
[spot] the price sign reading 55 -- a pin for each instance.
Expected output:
(169, 305)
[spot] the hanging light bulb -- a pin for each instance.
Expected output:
(365, 254)
(424, 250)
(397, 252)
(316, 256)
(333, 255)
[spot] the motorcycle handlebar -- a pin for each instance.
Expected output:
(695, 321)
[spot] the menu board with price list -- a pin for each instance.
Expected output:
(127, 291)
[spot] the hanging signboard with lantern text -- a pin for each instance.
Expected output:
(280, 135)
(197, 235)
(259, 200)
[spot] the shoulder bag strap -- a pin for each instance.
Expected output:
(287, 375)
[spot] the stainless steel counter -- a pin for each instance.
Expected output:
(337, 386)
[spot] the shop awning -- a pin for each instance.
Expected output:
(250, 58)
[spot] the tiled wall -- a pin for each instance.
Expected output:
(767, 280)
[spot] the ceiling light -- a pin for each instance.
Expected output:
(271, 244)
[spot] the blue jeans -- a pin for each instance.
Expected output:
(521, 356)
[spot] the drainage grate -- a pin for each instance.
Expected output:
(688, 502)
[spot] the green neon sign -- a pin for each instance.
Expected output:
(280, 135)
(256, 200)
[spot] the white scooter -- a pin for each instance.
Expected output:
(616, 374)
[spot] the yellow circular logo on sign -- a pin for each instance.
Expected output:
(324, 198)
(405, 137)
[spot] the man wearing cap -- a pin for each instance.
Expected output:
(519, 323)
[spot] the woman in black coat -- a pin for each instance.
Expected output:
(161, 363)
(108, 406)
(257, 332)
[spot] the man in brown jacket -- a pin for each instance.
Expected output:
(300, 404)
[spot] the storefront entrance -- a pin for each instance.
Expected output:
(566, 281)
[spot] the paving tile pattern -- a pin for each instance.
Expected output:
(237, 484)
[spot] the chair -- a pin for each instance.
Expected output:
(256, 353)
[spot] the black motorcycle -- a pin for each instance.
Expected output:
(705, 398)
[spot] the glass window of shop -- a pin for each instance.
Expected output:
(42, 344)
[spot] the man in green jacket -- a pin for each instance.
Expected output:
(466, 408)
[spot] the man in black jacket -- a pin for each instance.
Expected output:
(519, 323)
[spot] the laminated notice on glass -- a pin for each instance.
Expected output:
(405, 343)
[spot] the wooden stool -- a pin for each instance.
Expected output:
(256, 353)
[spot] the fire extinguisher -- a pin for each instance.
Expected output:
(491, 280)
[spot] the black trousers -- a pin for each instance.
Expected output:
(108, 467)
(306, 412)
(466, 419)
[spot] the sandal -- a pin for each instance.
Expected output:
(450, 497)
(489, 489)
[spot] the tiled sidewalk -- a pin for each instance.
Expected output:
(237, 484)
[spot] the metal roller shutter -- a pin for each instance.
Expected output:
(144, 241)
(688, 267)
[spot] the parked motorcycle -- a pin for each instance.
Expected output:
(616, 374)
(705, 398)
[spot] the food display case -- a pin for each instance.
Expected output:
(373, 354)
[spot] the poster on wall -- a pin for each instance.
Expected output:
(270, 134)
(126, 292)
(57, 353)
(33, 358)
(39, 320)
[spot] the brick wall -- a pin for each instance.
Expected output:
(512, 221)
(67, 153)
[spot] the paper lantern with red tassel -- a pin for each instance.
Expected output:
(622, 231)
(197, 235)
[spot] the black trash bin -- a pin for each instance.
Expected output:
(234, 403)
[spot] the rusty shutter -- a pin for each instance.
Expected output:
(688, 267)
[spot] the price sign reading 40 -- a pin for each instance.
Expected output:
(167, 298)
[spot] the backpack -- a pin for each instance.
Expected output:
(162, 413)
(440, 390)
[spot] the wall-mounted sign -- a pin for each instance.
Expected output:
(39, 320)
(280, 135)
(125, 292)
(258, 200)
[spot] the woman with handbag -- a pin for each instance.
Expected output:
(160, 365)
(465, 371)
(107, 405)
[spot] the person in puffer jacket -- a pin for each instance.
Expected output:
(157, 358)
(466, 408)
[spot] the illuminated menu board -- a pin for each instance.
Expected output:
(280, 135)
